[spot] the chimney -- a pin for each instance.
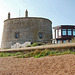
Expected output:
(26, 13)
(9, 15)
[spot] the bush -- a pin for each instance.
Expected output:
(39, 53)
(10, 54)
(36, 52)
(67, 52)
(1, 54)
(37, 56)
(52, 52)
(32, 54)
(37, 44)
(18, 53)
(5, 54)
(28, 46)
(22, 56)
(47, 52)
(27, 55)
(43, 53)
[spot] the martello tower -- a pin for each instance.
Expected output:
(23, 29)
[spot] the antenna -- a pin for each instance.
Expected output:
(19, 12)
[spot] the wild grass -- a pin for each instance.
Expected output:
(38, 53)
(42, 53)
(35, 44)
(73, 40)
(5, 54)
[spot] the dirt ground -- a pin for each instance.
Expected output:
(49, 65)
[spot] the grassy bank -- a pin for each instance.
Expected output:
(39, 53)
(5, 54)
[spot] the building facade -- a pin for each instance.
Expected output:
(26, 29)
(63, 33)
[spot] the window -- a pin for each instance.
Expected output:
(64, 41)
(74, 32)
(40, 35)
(70, 41)
(58, 41)
(59, 32)
(69, 32)
(63, 31)
(17, 35)
(56, 34)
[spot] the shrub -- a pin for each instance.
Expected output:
(18, 53)
(52, 52)
(44, 52)
(67, 52)
(1, 54)
(28, 46)
(36, 52)
(32, 54)
(37, 56)
(27, 55)
(56, 51)
(22, 56)
(47, 52)
(37, 44)
(5, 54)
(10, 54)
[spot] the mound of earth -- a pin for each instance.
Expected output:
(49, 65)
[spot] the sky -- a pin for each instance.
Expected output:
(60, 12)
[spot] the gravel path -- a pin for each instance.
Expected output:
(49, 65)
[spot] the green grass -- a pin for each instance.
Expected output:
(35, 44)
(5, 54)
(38, 53)
(42, 53)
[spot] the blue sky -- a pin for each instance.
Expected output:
(60, 12)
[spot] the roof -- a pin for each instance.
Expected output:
(63, 26)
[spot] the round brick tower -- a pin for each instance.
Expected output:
(31, 29)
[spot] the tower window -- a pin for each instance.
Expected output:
(17, 35)
(40, 35)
